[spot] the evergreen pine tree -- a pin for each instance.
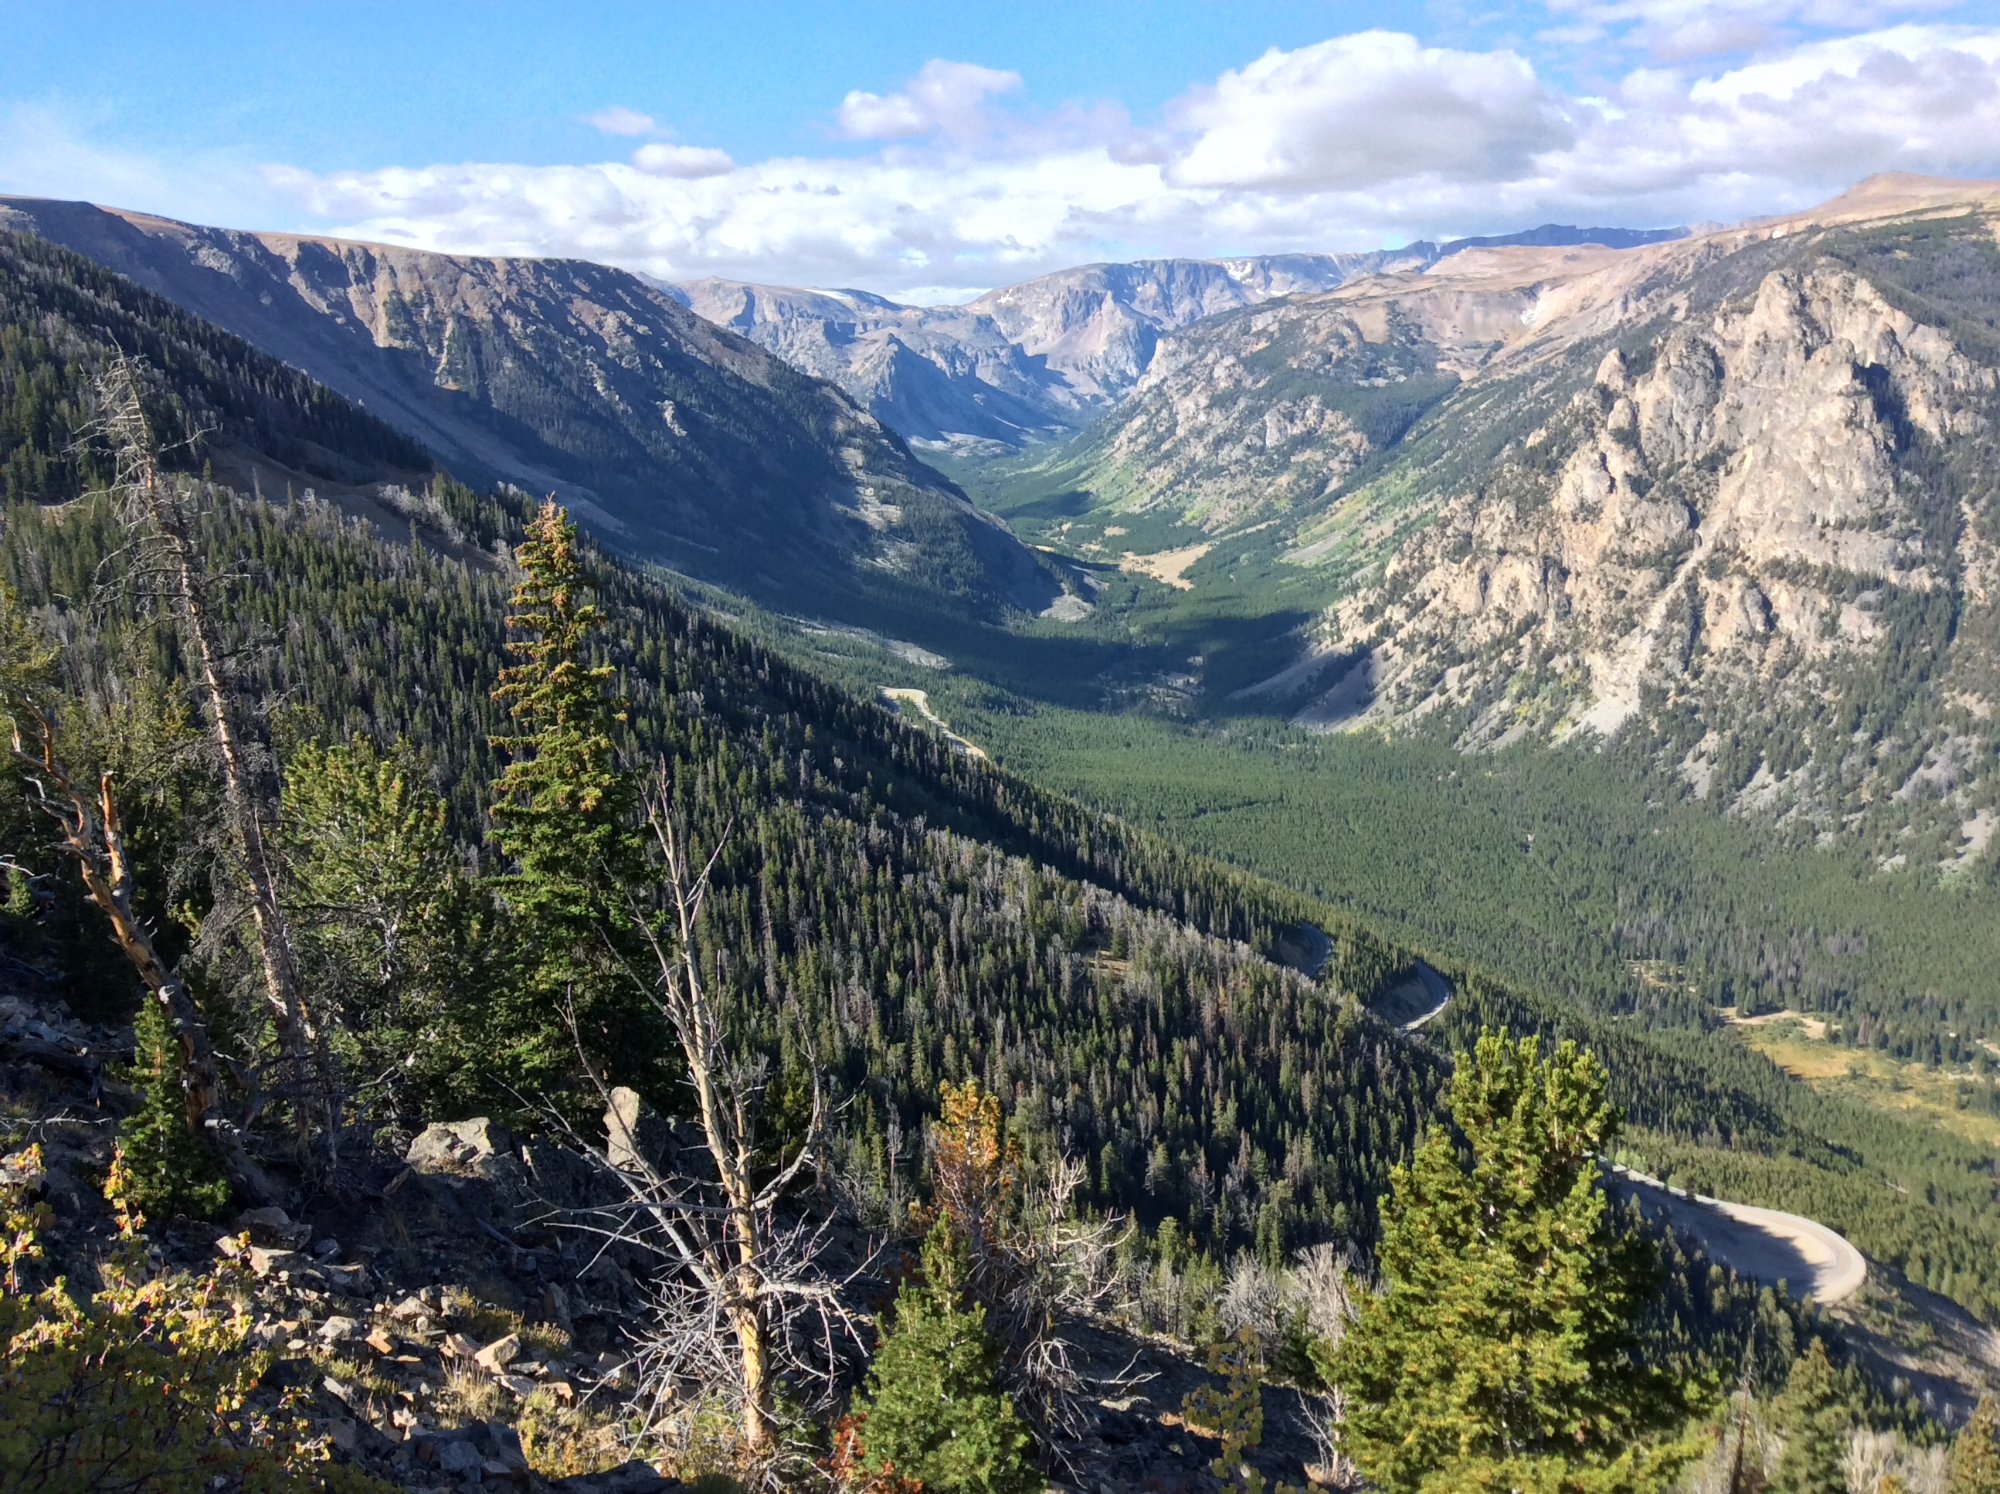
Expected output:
(933, 1410)
(1975, 1453)
(27, 669)
(1504, 1353)
(168, 1169)
(393, 933)
(1813, 1418)
(565, 815)
(27, 660)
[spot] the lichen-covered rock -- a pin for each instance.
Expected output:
(475, 1148)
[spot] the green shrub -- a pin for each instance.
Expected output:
(933, 1411)
(145, 1384)
(168, 1169)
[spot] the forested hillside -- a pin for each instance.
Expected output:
(973, 961)
(61, 314)
(955, 960)
(427, 729)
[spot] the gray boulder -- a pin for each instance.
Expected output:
(475, 1148)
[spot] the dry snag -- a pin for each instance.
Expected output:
(745, 1300)
(158, 509)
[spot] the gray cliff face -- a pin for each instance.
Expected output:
(1047, 356)
(1712, 520)
(1729, 497)
(677, 440)
(929, 373)
(1760, 536)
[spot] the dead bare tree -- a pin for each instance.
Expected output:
(1327, 1291)
(158, 508)
(1062, 1272)
(94, 839)
(1325, 1416)
(746, 1299)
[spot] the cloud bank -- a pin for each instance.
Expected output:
(950, 184)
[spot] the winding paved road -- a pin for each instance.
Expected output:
(1766, 1245)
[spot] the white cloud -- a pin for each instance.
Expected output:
(1364, 109)
(1352, 143)
(1817, 117)
(685, 161)
(618, 120)
(1843, 60)
(946, 98)
(1689, 30)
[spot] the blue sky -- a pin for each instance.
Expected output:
(931, 151)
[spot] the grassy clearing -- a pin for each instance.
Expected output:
(1875, 1080)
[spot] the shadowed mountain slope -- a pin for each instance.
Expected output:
(677, 441)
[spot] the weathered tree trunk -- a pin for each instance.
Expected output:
(281, 981)
(95, 840)
(299, 1038)
(726, 1132)
(747, 1296)
(748, 1321)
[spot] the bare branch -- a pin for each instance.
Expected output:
(744, 1296)
(94, 839)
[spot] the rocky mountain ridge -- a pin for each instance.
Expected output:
(1730, 496)
(677, 441)
(1044, 357)
(1258, 413)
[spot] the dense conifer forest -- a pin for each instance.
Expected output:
(932, 941)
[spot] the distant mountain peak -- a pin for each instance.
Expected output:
(1564, 236)
(1049, 355)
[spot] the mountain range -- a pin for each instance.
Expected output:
(1044, 357)
(676, 441)
(1545, 539)
(1719, 494)
(1732, 492)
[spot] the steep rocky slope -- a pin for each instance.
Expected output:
(1271, 409)
(1736, 491)
(1048, 355)
(678, 441)
(930, 373)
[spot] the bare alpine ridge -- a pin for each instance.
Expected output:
(1044, 357)
(676, 440)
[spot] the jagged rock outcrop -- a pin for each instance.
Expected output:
(1715, 512)
(1046, 356)
(1762, 535)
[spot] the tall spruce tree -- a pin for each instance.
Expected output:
(565, 815)
(1975, 1452)
(1504, 1352)
(933, 1410)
